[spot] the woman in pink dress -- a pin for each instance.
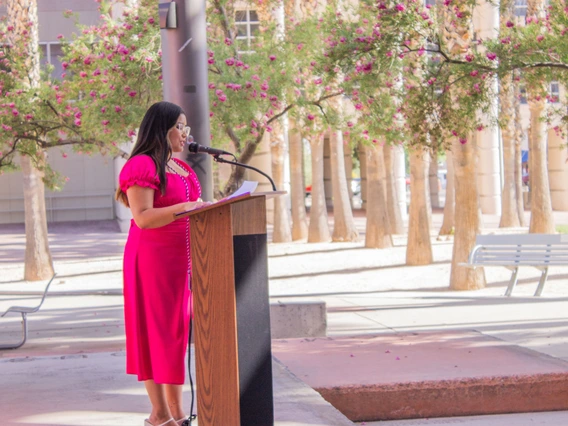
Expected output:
(157, 262)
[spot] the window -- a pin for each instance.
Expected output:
(247, 25)
(430, 3)
(521, 8)
(51, 53)
(554, 92)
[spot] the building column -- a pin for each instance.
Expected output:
(557, 171)
(489, 170)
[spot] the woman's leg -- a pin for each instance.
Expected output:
(160, 408)
(174, 398)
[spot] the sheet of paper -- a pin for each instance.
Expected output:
(247, 187)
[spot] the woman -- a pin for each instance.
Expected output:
(156, 259)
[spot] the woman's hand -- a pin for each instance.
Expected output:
(197, 204)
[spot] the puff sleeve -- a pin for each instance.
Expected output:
(139, 170)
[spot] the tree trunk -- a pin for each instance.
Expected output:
(542, 220)
(468, 211)
(297, 187)
(448, 222)
(458, 36)
(318, 230)
(38, 262)
(281, 231)
(518, 155)
(395, 222)
(509, 213)
(377, 233)
(434, 182)
(419, 247)
(344, 228)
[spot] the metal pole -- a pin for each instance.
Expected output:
(184, 71)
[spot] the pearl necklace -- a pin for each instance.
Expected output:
(187, 246)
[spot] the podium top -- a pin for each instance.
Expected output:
(240, 198)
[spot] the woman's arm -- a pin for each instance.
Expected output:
(146, 216)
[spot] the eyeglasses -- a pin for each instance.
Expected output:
(183, 128)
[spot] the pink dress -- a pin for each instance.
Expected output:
(156, 278)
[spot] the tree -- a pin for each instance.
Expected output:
(24, 77)
(509, 213)
(542, 220)
(257, 81)
(112, 74)
(377, 234)
(297, 186)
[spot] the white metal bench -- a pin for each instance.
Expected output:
(514, 250)
(24, 311)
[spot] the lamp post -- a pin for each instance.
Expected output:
(184, 71)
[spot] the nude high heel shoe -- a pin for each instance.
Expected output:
(147, 422)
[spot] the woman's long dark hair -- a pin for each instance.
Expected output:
(152, 140)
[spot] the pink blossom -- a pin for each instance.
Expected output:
(105, 122)
(463, 141)
(469, 58)
(228, 41)
(223, 98)
(264, 86)
(350, 124)
(272, 58)
(255, 77)
(151, 20)
(268, 129)
(311, 117)
(509, 24)
(539, 38)
(474, 73)
(491, 56)
(253, 124)
(93, 94)
(77, 122)
(64, 65)
(132, 94)
(15, 112)
(230, 62)
(96, 72)
(300, 46)
(117, 108)
(131, 133)
(64, 155)
(318, 80)
(103, 110)
(211, 86)
(83, 74)
(78, 114)
(400, 7)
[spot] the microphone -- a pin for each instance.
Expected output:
(195, 148)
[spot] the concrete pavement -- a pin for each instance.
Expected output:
(70, 371)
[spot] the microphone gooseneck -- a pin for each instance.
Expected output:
(195, 148)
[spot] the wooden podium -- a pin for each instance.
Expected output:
(233, 356)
